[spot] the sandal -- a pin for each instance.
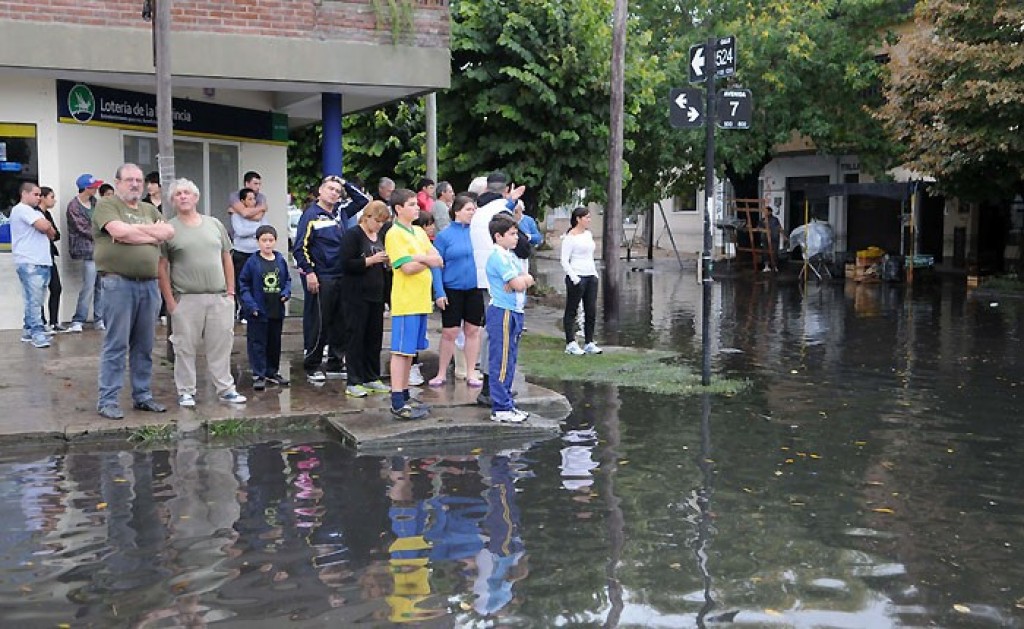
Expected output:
(473, 382)
(437, 382)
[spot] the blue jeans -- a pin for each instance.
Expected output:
(131, 312)
(91, 292)
(34, 280)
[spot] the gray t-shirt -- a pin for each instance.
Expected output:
(195, 256)
(28, 244)
(243, 230)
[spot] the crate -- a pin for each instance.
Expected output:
(973, 281)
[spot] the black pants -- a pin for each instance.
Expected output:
(364, 322)
(54, 302)
(263, 344)
(325, 323)
(586, 291)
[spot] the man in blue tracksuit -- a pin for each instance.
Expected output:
(317, 246)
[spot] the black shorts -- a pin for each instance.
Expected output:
(463, 305)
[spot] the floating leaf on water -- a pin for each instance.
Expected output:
(624, 462)
(476, 450)
(963, 609)
(815, 456)
(875, 483)
(675, 566)
(823, 413)
(789, 461)
(772, 612)
(748, 490)
(120, 480)
(883, 510)
(950, 450)
(778, 472)
(101, 505)
(860, 443)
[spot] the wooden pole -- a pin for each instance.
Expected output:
(613, 211)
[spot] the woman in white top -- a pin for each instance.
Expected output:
(580, 282)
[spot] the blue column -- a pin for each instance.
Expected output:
(330, 105)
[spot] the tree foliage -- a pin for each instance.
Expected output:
(529, 93)
(956, 100)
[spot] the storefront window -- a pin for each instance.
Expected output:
(17, 162)
(212, 166)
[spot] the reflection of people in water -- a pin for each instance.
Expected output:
(410, 552)
(502, 562)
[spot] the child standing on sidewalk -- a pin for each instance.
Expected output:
(265, 286)
(506, 283)
(411, 256)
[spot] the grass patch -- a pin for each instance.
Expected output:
(231, 428)
(1010, 283)
(151, 434)
(653, 371)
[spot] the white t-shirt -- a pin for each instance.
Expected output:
(480, 236)
(578, 255)
(28, 244)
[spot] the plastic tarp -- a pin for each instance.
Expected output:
(814, 238)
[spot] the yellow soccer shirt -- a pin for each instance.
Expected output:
(410, 293)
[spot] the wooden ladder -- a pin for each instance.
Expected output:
(750, 212)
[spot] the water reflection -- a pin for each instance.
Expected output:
(869, 478)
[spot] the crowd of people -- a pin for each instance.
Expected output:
(360, 258)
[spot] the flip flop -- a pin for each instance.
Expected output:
(473, 382)
(437, 382)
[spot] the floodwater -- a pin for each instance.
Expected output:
(870, 477)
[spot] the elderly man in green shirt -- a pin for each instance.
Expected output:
(197, 280)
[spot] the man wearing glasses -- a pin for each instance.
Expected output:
(127, 233)
(317, 254)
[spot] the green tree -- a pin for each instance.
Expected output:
(530, 95)
(956, 100)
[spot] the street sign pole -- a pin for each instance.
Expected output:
(709, 208)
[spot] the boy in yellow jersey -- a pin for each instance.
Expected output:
(412, 256)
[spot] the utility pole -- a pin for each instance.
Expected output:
(164, 112)
(709, 209)
(613, 211)
(432, 136)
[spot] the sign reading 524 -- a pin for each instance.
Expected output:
(725, 56)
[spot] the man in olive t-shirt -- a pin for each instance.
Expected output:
(127, 234)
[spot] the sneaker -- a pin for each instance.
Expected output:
(316, 377)
(111, 412)
(418, 403)
(573, 349)
(356, 390)
(408, 413)
(59, 328)
(508, 417)
(76, 326)
(48, 331)
(232, 397)
(376, 387)
(279, 380)
(41, 342)
(26, 338)
(336, 373)
(259, 384)
(415, 377)
(186, 400)
(99, 325)
(592, 348)
(524, 414)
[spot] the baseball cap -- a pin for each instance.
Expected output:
(88, 181)
(497, 177)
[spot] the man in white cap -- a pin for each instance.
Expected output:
(81, 247)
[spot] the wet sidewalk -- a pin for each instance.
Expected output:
(50, 394)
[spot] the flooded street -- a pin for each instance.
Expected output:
(869, 477)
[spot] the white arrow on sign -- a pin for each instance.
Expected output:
(692, 114)
(697, 63)
(681, 102)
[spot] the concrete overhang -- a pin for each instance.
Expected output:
(293, 71)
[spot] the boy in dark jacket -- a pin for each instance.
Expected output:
(265, 286)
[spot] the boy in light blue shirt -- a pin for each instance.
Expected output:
(506, 285)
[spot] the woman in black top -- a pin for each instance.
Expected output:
(363, 261)
(46, 202)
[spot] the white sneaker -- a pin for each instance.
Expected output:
(186, 400)
(592, 348)
(232, 397)
(415, 377)
(573, 349)
(99, 325)
(508, 417)
(76, 326)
